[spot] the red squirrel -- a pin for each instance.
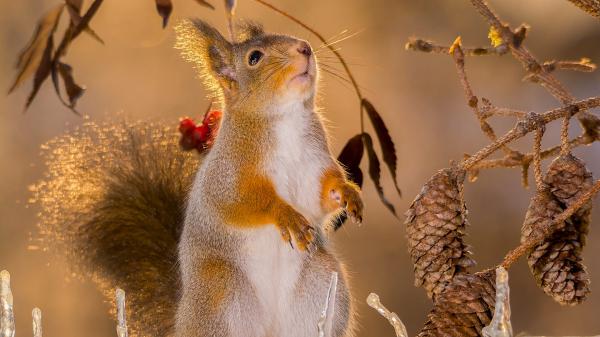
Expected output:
(231, 245)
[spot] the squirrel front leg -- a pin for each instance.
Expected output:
(337, 191)
(258, 205)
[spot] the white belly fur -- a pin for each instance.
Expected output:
(271, 265)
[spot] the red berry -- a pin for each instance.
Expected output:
(201, 133)
(186, 125)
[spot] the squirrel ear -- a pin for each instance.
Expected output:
(202, 44)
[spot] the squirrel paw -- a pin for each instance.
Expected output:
(348, 197)
(295, 225)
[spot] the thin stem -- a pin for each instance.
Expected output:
(525, 247)
(329, 46)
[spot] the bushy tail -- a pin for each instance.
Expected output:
(112, 200)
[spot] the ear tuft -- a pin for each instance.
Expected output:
(203, 45)
(247, 30)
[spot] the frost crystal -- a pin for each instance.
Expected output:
(7, 318)
(36, 313)
(121, 320)
(500, 325)
(374, 302)
(325, 324)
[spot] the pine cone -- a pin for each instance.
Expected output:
(464, 308)
(556, 263)
(436, 221)
(590, 6)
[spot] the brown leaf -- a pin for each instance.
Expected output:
(388, 149)
(375, 171)
(43, 71)
(33, 54)
(74, 91)
(205, 4)
(164, 9)
(74, 10)
(73, 31)
(350, 158)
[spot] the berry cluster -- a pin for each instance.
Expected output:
(201, 136)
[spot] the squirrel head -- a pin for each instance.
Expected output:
(258, 69)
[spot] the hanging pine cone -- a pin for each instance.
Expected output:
(436, 221)
(464, 308)
(556, 263)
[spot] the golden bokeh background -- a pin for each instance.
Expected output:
(139, 74)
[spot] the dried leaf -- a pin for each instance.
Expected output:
(375, 170)
(350, 158)
(74, 91)
(388, 149)
(43, 70)
(36, 50)
(74, 10)
(164, 9)
(205, 4)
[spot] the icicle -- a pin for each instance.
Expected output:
(500, 325)
(325, 324)
(374, 302)
(7, 318)
(121, 319)
(36, 313)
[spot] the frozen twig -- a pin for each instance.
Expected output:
(36, 314)
(500, 325)
(121, 318)
(7, 318)
(325, 324)
(526, 246)
(374, 302)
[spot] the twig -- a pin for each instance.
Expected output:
(426, 46)
(537, 155)
(330, 47)
(517, 159)
(528, 124)
(459, 59)
(535, 71)
(525, 247)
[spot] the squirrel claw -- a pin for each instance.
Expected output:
(348, 197)
(296, 226)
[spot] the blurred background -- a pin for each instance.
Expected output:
(139, 74)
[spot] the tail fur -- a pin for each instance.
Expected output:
(113, 201)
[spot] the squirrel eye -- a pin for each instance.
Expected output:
(254, 57)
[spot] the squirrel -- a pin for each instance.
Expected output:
(232, 244)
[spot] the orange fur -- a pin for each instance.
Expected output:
(337, 192)
(217, 273)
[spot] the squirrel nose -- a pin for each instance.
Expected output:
(304, 49)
